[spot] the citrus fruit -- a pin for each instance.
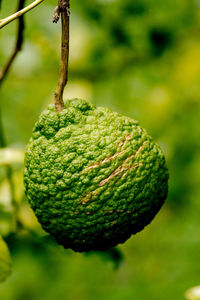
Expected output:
(92, 176)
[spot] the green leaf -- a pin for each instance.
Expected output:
(5, 261)
(113, 255)
(193, 293)
(10, 156)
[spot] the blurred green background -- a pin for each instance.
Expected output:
(140, 58)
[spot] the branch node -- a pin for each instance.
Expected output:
(56, 15)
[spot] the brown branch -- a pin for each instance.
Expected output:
(63, 9)
(18, 44)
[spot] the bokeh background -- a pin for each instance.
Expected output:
(141, 58)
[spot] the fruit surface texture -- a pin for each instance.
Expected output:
(92, 176)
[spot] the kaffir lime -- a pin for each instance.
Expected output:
(92, 176)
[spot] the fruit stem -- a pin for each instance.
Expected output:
(19, 13)
(63, 9)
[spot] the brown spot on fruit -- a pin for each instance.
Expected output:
(107, 159)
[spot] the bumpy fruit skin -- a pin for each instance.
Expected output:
(92, 176)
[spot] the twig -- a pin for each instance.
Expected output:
(19, 13)
(63, 9)
(18, 44)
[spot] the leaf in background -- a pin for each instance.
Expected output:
(5, 197)
(5, 261)
(193, 293)
(9, 156)
(113, 255)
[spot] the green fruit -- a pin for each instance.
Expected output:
(92, 176)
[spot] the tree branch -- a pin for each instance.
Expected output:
(19, 13)
(18, 44)
(17, 48)
(63, 9)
